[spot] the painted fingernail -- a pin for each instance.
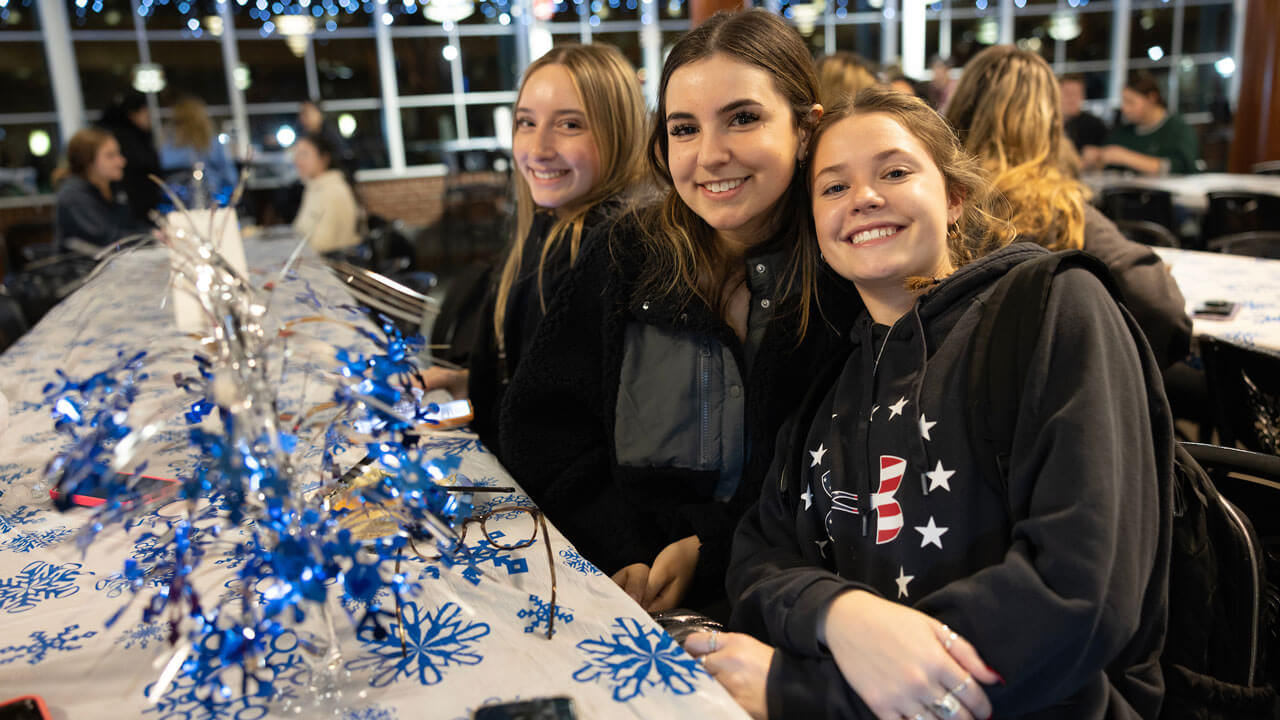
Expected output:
(999, 677)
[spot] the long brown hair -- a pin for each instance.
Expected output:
(191, 125)
(82, 150)
(610, 94)
(684, 259)
(1007, 109)
(980, 229)
(842, 74)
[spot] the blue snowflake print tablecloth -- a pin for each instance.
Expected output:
(475, 635)
(1252, 283)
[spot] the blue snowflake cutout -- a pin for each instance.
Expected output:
(540, 614)
(371, 712)
(636, 659)
(144, 634)
(577, 562)
(432, 644)
(21, 515)
(41, 645)
(36, 540)
(38, 582)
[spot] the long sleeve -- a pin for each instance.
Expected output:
(328, 213)
(484, 381)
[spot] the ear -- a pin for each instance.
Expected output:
(955, 206)
(808, 123)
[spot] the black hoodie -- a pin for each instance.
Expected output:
(1058, 584)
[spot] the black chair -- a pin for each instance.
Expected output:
(1263, 244)
(1244, 392)
(1270, 167)
(1230, 213)
(12, 322)
(1148, 233)
(1138, 203)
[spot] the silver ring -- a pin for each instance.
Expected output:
(947, 706)
(961, 687)
(918, 716)
(714, 636)
(951, 638)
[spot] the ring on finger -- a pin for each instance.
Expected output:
(961, 686)
(951, 638)
(946, 706)
(715, 634)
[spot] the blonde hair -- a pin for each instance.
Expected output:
(1008, 112)
(843, 74)
(610, 94)
(979, 230)
(191, 125)
(679, 246)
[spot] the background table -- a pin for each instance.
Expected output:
(1252, 283)
(1189, 191)
(475, 634)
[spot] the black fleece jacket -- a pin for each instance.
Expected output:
(558, 420)
(1060, 582)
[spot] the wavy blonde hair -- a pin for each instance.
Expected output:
(191, 125)
(1007, 109)
(682, 255)
(843, 74)
(980, 229)
(610, 94)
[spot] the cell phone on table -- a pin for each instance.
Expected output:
(545, 708)
(1215, 310)
(29, 707)
(151, 488)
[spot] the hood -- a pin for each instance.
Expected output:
(973, 277)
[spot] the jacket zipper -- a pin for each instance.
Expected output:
(704, 399)
(1253, 571)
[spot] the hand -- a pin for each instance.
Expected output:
(671, 574)
(1091, 157)
(452, 381)
(901, 661)
(633, 579)
(740, 663)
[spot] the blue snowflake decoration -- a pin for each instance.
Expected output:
(539, 614)
(372, 712)
(636, 659)
(471, 556)
(38, 582)
(21, 515)
(434, 643)
(113, 585)
(36, 540)
(576, 562)
(143, 634)
(452, 446)
(41, 645)
(11, 473)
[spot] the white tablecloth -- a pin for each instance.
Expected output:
(1189, 191)
(1252, 283)
(474, 634)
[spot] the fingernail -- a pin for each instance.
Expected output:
(999, 677)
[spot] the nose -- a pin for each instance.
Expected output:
(713, 149)
(864, 198)
(543, 145)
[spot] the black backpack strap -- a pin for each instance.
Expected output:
(1000, 353)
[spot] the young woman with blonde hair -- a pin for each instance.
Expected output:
(842, 74)
(1007, 112)
(192, 140)
(888, 574)
(577, 137)
(640, 419)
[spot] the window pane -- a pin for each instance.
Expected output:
(16, 151)
(275, 73)
(115, 15)
(563, 10)
(627, 42)
(490, 13)
(1031, 32)
(263, 129)
(19, 16)
(192, 66)
(863, 39)
(347, 68)
(613, 10)
(673, 9)
(24, 77)
(424, 130)
(970, 36)
(1152, 33)
(366, 141)
(1207, 29)
(480, 120)
(1202, 89)
(175, 14)
(1094, 40)
(488, 63)
(420, 66)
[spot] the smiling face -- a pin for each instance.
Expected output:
(553, 146)
(881, 209)
(732, 145)
(108, 163)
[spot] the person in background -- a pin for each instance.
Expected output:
(89, 205)
(129, 120)
(941, 84)
(329, 215)
(192, 140)
(312, 121)
(639, 419)
(843, 73)
(1005, 110)
(1083, 128)
(889, 575)
(576, 140)
(1150, 141)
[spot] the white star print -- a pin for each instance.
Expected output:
(896, 408)
(822, 546)
(925, 426)
(939, 478)
(932, 534)
(808, 497)
(903, 579)
(817, 455)
(872, 416)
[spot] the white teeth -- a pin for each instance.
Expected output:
(549, 175)
(724, 185)
(872, 234)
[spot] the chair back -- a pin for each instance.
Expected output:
(1230, 213)
(1244, 390)
(1262, 243)
(1138, 203)
(1270, 167)
(1148, 233)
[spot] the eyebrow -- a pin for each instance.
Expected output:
(555, 113)
(878, 157)
(744, 102)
